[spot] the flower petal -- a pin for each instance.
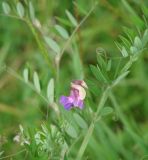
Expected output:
(66, 102)
(82, 92)
(68, 106)
(81, 83)
(78, 103)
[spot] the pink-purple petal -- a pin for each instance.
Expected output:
(75, 98)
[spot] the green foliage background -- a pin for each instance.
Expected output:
(19, 104)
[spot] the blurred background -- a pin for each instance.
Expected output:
(18, 49)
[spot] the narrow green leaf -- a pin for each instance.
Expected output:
(80, 121)
(101, 62)
(26, 74)
(119, 46)
(97, 73)
(50, 91)
(31, 11)
(145, 37)
(133, 13)
(129, 33)
(102, 75)
(125, 41)
(124, 52)
(70, 130)
(106, 111)
(137, 42)
(44, 128)
(6, 7)
(20, 9)
(126, 66)
(92, 87)
(109, 65)
(62, 31)
(21, 128)
(133, 50)
(80, 8)
(120, 77)
(52, 44)
(71, 18)
(53, 129)
(128, 7)
(36, 82)
(63, 21)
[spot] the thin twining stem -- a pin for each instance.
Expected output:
(92, 125)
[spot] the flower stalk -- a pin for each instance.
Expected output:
(92, 125)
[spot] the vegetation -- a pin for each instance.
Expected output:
(44, 46)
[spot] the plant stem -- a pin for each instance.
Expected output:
(76, 29)
(41, 45)
(92, 125)
(15, 154)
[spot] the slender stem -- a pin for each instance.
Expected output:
(41, 46)
(17, 76)
(73, 144)
(76, 29)
(12, 155)
(44, 51)
(92, 125)
(127, 66)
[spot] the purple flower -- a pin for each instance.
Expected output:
(77, 95)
